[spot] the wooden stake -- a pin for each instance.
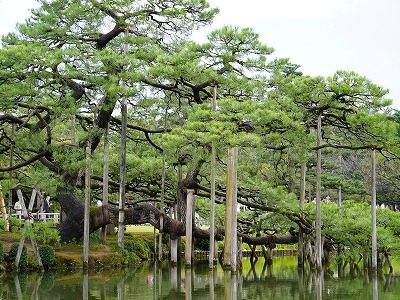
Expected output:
(373, 214)
(318, 245)
(189, 228)
(86, 219)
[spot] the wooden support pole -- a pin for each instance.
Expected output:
(230, 241)
(160, 235)
(373, 214)
(340, 186)
(122, 163)
(300, 253)
(3, 209)
(11, 173)
(174, 252)
(212, 258)
(189, 227)
(86, 219)
(106, 165)
(318, 235)
(27, 225)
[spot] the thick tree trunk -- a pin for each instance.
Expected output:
(72, 227)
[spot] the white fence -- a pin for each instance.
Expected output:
(42, 217)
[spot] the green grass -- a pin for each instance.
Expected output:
(140, 229)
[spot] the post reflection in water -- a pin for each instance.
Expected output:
(374, 286)
(257, 281)
(85, 286)
(212, 275)
(188, 284)
(319, 284)
(18, 287)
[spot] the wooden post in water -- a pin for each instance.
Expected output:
(300, 260)
(174, 252)
(230, 241)
(373, 214)
(86, 219)
(211, 257)
(106, 164)
(189, 228)
(318, 235)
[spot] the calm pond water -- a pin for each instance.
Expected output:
(150, 282)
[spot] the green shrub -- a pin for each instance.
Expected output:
(46, 253)
(15, 223)
(13, 254)
(3, 224)
(46, 233)
(138, 247)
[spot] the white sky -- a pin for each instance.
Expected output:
(321, 35)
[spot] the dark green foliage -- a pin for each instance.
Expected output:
(15, 223)
(1, 252)
(138, 247)
(46, 233)
(3, 223)
(13, 254)
(46, 253)
(202, 244)
(47, 283)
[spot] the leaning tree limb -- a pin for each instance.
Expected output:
(72, 226)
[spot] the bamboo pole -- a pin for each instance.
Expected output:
(106, 164)
(373, 213)
(300, 261)
(230, 241)
(86, 219)
(318, 241)
(189, 228)
(212, 258)
(122, 174)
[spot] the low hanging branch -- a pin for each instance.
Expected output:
(72, 227)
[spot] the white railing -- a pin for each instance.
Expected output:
(42, 217)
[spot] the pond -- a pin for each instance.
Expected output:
(149, 282)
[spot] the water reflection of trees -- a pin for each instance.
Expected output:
(162, 282)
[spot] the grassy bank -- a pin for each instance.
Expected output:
(138, 245)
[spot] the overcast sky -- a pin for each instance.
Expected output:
(321, 35)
